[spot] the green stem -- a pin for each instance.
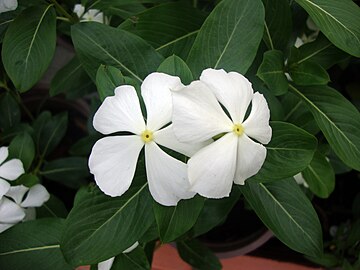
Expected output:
(26, 110)
(61, 10)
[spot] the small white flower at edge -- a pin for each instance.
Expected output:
(106, 265)
(8, 5)
(113, 159)
(198, 116)
(300, 180)
(94, 15)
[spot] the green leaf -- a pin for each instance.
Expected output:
(107, 79)
(308, 73)
(48, 131)
(83, 146)
(174, 65)
(71, 80)
(288, 213)
(97, 44)
(338, 20)
(134, 260)
(291, 148)
(327, 259)
(277, 28)
(225, 39)
(29, 46)
(271, 71)
(8, 134)
(320, 176)
(10, 114)
(28, 180)
(54, 207)
(23, 148)
(337, 118)
(197, 255)
(174, 221)
(171, 28)
(100, 227)
(33, 245)
(214, 213)
(69, 171)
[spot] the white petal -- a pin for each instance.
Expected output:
(131, 248)
(232, 89)
(212, 169)
(36, 196)
(300, 180)
(4, 187)
(197, 115)
(106, 265)
(250, 158)
(79, 10)
(257, 124)
(4, 153)
(166, 137)
(113, 162)
(10, 212)
(4, 227)
(17, 193)
(11, 169)
(166, 175)
(156, 92)
(120, 112)
(30, 214)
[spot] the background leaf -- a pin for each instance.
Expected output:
(23, 148)
(54, 207)
(29, 46)
(107, 79)
(224, 40)
(174, 65)
(134, 260)
(10, 114)
(288, 213)
(309, 73)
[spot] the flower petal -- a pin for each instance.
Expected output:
(4, 227)
(11, 169)
(121, 112)
(166, 175)
(257, 124)
(4, 152)
(156, 93)
(232, 90)
(106, 265)
(113, 162)
(166, 137)
(36, 196)
(212, 169)
(250, 158)
(10, 212)
(4, 187)
(197, 115)
(131, 248)
(17, 193)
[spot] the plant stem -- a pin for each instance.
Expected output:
(63, 11)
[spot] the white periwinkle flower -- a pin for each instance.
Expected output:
(8, 5)
(106, 265)
(198, 116)
(113, 159)
(94, 15)
(300, 180)
(18, 202)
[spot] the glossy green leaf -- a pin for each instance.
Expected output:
(277, 28)
(97, 44)
(29, 45)
(288, 213)
(28, 180)
(174, 221)
(272, 72)
(33, 245)
(69, 171)
(170, 28)
(174, 65)
(83, 146)
(96, 219)
(320, 176)
(54, 207)
(23, 148)
(71, 80)
(338, 20)
(9, 112)
(225, 39)
(337, 118)
(327, 259)
(197, 255)
(291, 148)
(309, 73)
(107, 79)
(8, 134)
(134, 260)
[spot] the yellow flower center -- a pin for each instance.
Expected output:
(238, 129)
(147, 136)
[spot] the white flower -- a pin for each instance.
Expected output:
(198, 116)
(300, 180)
(15, 206)
(106, 265)
(113, 159)
(9, 170)
(94, 15)
(8, 5)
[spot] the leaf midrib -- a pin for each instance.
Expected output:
(29, 249)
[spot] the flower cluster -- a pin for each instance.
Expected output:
(217, 121)
(91, 15)
(17, 202)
